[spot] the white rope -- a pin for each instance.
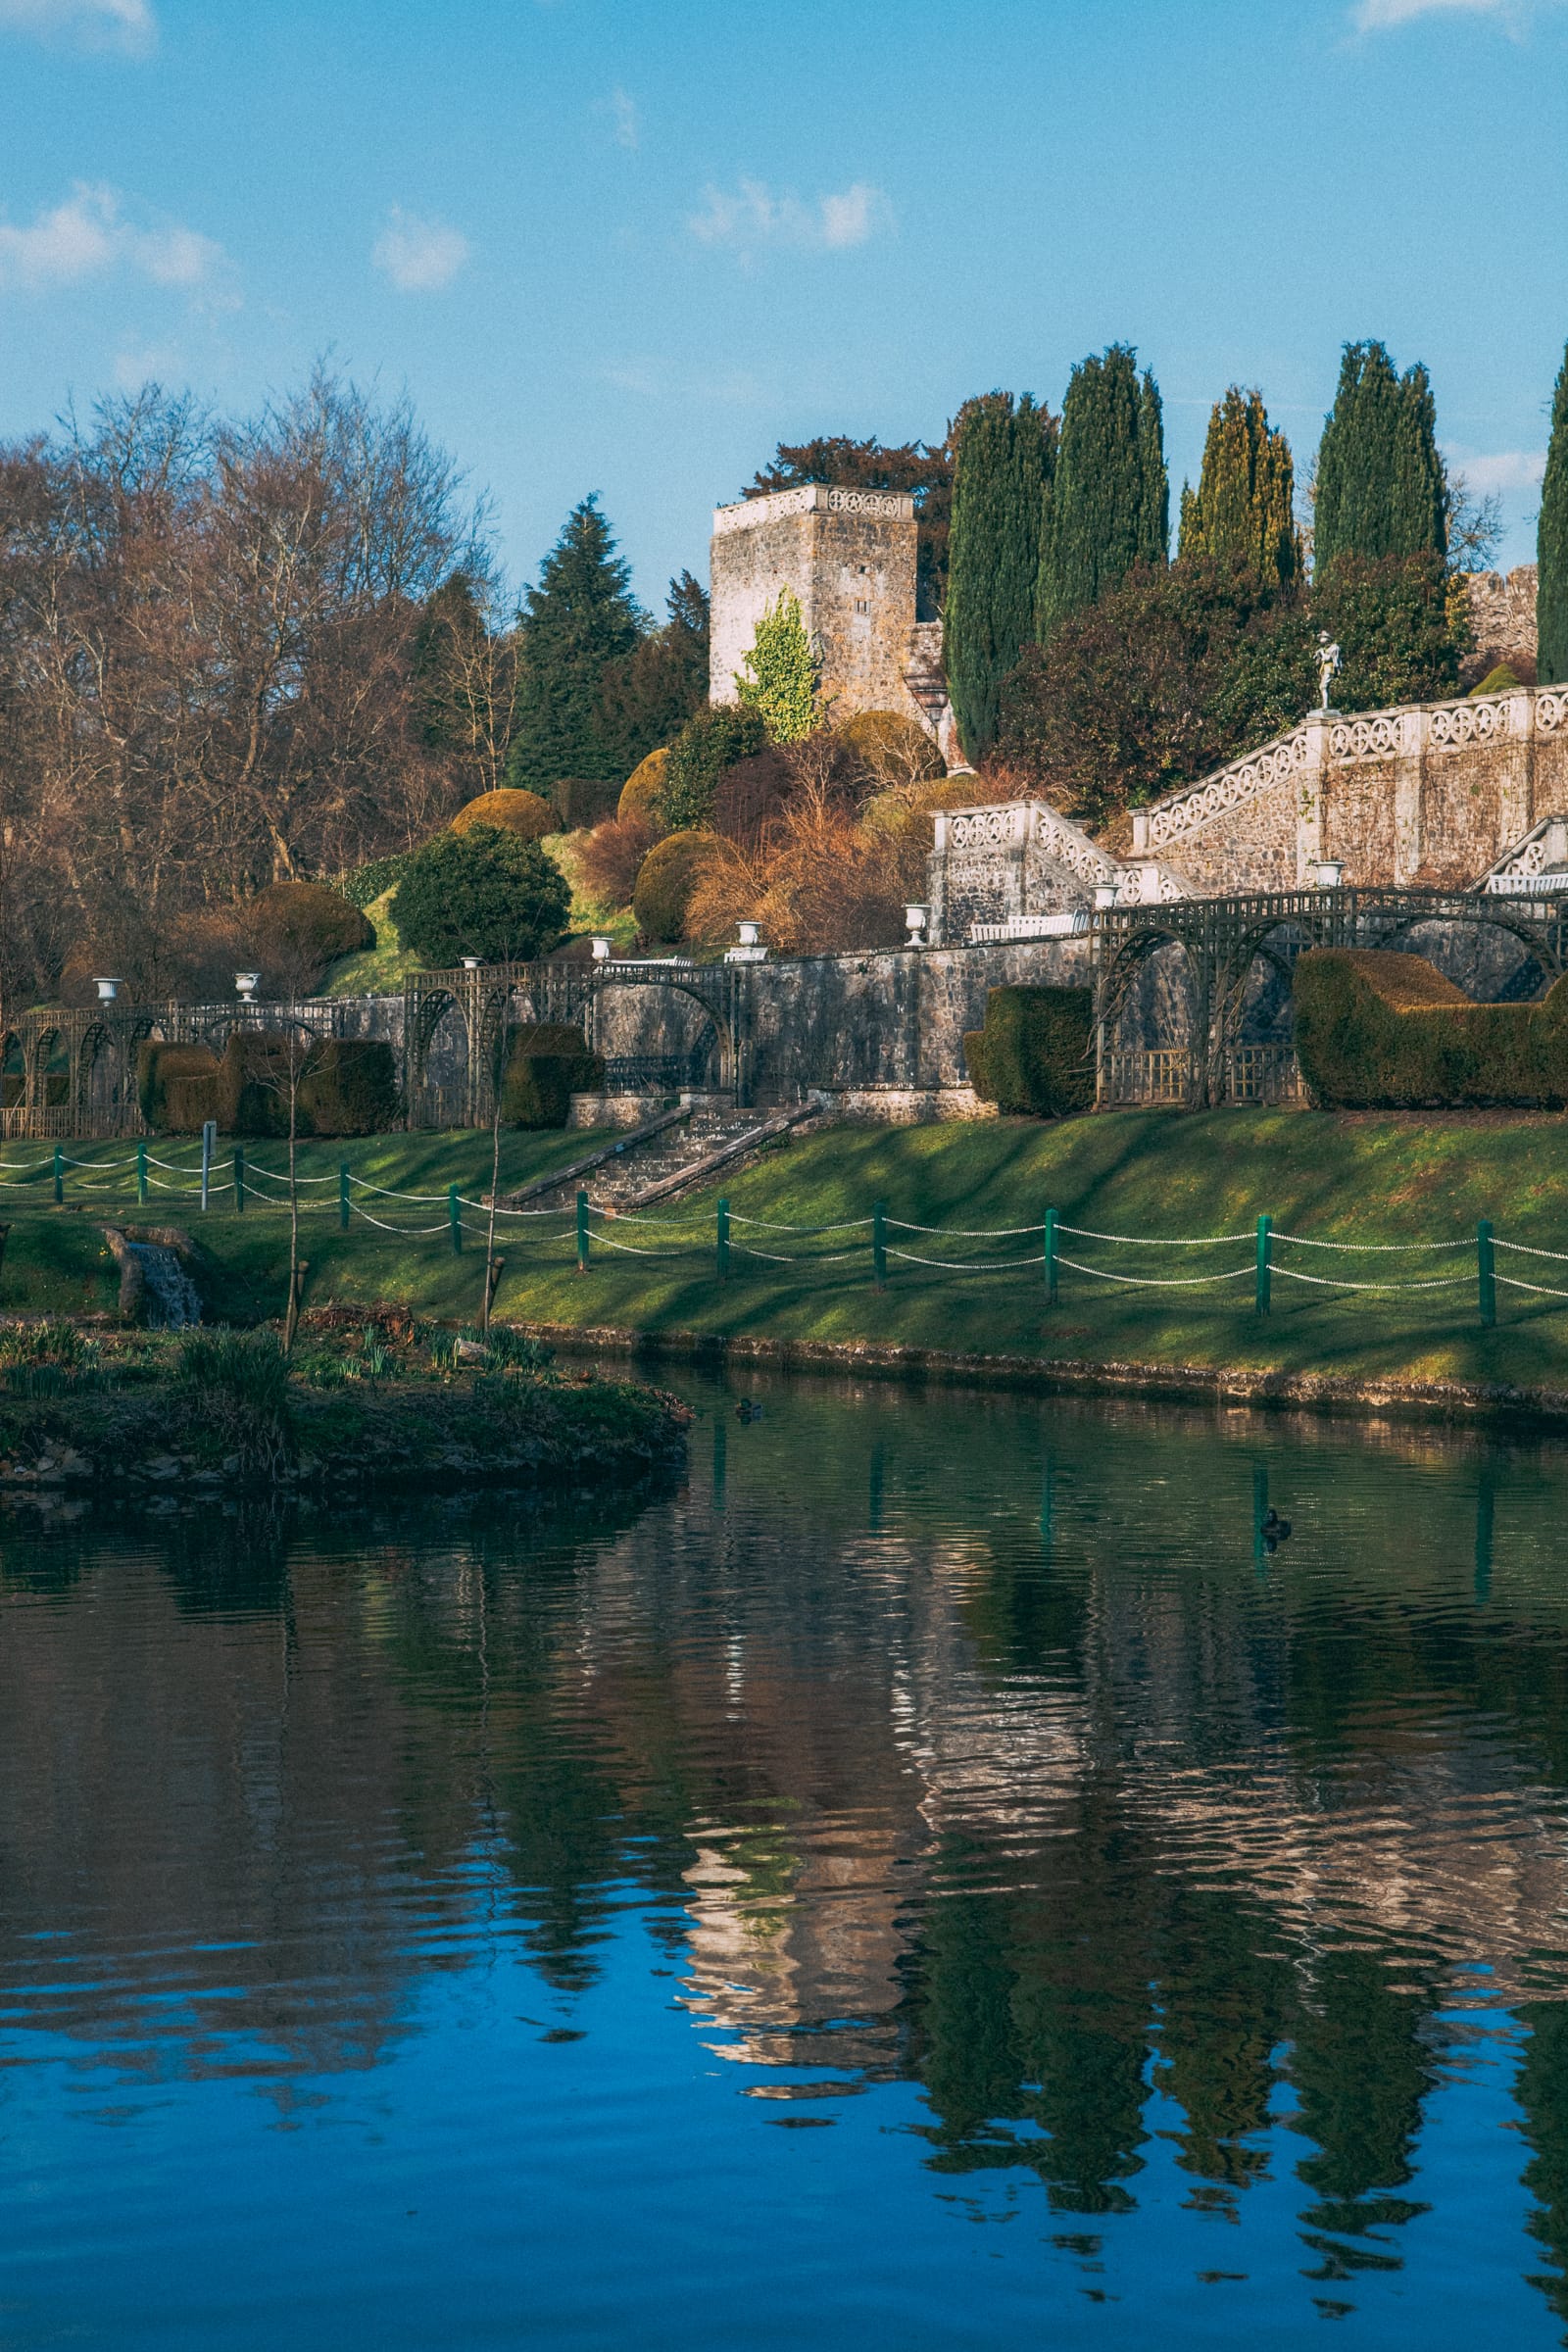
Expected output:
(1525, 1250)
(833, 1258)
(1303, 1242)
(1144, 1241)
(254, 1167)
(106, 1165)
(973, 1266)
(15, 1169)
(767, 1225)
(1158, 1282)
(1340, 1282)
(1540, 1289)
(633, 1216)
(411, 1231)
(483, 1207)
(630, 1252)
(972, 1233)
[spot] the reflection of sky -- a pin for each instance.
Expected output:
(486, 2183)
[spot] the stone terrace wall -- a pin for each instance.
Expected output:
(1503, 622)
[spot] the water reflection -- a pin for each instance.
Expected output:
(991, 1747)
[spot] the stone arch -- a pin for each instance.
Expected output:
(51, 1068)
(12, 1072)
(709, 999)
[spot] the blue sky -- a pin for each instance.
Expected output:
(628, 245)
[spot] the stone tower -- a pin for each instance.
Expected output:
(850, 558)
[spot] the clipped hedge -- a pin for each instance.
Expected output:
(177, 1086)
(545, 1064)
(1376, 1030)
(664, 883)
(643, 793)
(581, 801)
(1033, 1056)
(510, 811)
(350, 1087)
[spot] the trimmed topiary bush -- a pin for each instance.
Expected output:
(302, 927)
(481, 893)
(177, 1087)
(252, 1084)
(1033, 1056)
(892, 748)
(1501, 681)
(712, 739)
(642, 796)
(664, 883)
(508, 811)
(350, 1087)
(545, 1064)
(1378, 1030)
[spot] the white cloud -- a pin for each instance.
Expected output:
(95, 23)
(1501, 469)
(419, 256)
(623, 109)
(1381, 15)
(88, 235)
(754, 216)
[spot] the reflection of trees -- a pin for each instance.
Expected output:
(1021, 1776)
(1541, 2089)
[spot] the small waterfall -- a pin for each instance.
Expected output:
(172, 1298)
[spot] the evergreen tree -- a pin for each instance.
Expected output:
(1006, 452)
(1240, 516)
(1552, 544)
(578, 620)
(1381, 489)
(778, 676)
(647, 697)
(1109, 505)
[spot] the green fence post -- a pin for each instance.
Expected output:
(583, 1233)
(1486, 1273)
(722, 1247)
(239, 1180)
(879, 1243)
(1265, 1226)
(60, 1176)
(454, 1219)
(1050, 1257)
(343, 1194)
(141, 1174)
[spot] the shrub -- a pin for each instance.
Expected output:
(235, 1384)
(1032, 1056)
(296, 929)
(642, 794)
(177, 1087)
(1501, 681)
(712, 739)
(611, 859)
(580, 801)
(252, 1084)
(545, 1064)
(508, 811)
(665, 881)
(751, 792)
(1374, 1029)
(893, 749)
(482, 893)
(350, 1087)
(367, 883)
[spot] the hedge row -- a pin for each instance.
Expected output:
(546, 1063)
(1034, 1056)
(1376, 1030)
(344, 1086)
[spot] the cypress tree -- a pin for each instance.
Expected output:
(1005, 454)
(1552, 544)
(1381, 488)
(578, 620)
(1241, 514)
(1109, 503)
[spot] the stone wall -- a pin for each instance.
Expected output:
(850, 558)
(1503, 622)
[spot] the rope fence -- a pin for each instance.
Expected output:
(718, 1241)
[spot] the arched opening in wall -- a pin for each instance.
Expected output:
(51, 1064)
(658, 1035)
(12, 1074)
(100, 1081)
(439, 1091)
(1152, 1035)
(1489, 960)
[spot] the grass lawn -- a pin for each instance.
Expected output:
(1368, 1177)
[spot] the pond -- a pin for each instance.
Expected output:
(954, 1873)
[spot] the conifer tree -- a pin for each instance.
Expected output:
(1006, 452)
(1552, 544)
(1241, 514)
(1381, 488)
(1109, 505)
(579, 618)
